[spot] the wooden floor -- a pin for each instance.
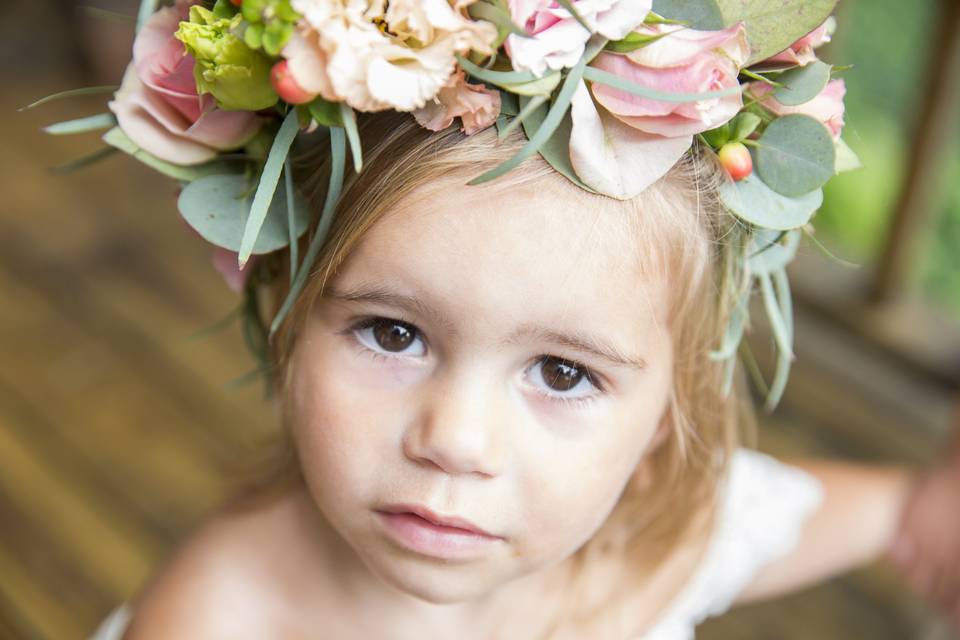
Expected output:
(116, 430)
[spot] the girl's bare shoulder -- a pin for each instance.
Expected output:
(238, 575)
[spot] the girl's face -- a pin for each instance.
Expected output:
(498, 359)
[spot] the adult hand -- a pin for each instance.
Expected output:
(926, 547)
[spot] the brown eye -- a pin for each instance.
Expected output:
(560, 375)
(392, 335)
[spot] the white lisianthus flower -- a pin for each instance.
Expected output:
(376, 55)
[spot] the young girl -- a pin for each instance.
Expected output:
(505, 404)
(507, 425)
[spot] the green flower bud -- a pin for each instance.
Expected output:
(237, 76)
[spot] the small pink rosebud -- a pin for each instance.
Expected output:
(735, 159)
(287, 87)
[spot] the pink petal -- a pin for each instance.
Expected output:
(613, 158)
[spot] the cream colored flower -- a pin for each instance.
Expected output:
(378, 55)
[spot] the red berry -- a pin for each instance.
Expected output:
(236, 3)
(286, 87)
(735, 158)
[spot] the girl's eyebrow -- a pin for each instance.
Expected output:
(577, 340)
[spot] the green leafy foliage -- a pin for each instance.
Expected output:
(218, 208)
(268, 184)
(771, 27)
(753, 201)
(795, 155)
(802, 84)
(186, 173)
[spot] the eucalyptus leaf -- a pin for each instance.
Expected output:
(772, 250)
(498, 78)
(529, 104)
(795, 155)
(802, 84)
(70, 93)
(699, 14)
(186, 173)
(353, 135)
(540, 87)
(82, 125)
(509, 104)
(558, 109)
(772, 27)
(498, 16)
(218, 208)
(147, 9)
(268, 185)
(84, 161)
(605, 77)
(338, 154)
(754, 202)
(556, 150)
(633, 41)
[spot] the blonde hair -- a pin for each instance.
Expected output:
(682, 228)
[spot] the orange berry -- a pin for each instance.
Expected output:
(735, 158)
(286, 86)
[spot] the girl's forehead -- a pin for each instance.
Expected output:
(517, 255)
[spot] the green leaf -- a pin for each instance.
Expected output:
(753, 201)
(82, 125)
(338, 155)
(326, 113)
(540, 87)
(117, 138)
(509, 104)
(633, 41)
(795, 155)
(498, 16)
(774, 26)
(699, 14)
(782, 331)
(353, 136)
(568, 5)
(604, 77)
(772, 250)
(559, 108)
(224, 10)
(218, 207)
(84, 161)
(530, 104)
(718, 137)
(293, 214)
(498, 78)
(556, 150)
(85, 91)
(743, 125)
(147, 9)
(268, 185)
(802, 84)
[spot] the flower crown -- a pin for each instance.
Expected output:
(610, 92)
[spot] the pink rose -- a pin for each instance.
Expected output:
(683, 61)
(556, 38)
(801, 51)
(475, 105)
(157, 105)
(827, 106)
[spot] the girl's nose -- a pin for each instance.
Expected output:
(458, 429)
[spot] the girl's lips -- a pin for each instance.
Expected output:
(429, 538)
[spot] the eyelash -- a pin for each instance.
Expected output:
(591, 377)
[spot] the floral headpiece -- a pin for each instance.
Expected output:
(610, 92)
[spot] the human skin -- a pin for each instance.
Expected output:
(458, 422)
(463, 419)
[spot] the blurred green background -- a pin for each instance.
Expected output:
(888, 42)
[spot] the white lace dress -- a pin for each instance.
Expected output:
(765, 504)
